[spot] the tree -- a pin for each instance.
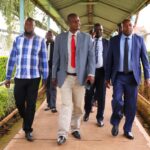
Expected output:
(10, 11)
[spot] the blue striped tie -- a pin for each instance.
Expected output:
(96, 50)
(126, 50)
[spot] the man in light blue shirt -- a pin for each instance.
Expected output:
(122, 44)
(126, 53)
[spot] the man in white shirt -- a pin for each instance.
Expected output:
(99, 88)
(73, 66)
(51, 90)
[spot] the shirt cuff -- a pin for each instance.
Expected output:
(8, 78)
(91, 75)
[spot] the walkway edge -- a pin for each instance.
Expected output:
(142, 130)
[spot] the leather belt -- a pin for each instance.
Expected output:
(71, 74)
(125, 73)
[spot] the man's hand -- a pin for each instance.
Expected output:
(54, 81)
(44, 83)
(108, 84)
(147, 83)
(7, 83)
(90, 79)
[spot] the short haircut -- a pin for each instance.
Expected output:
(98, 25)
(126, 20)
(30, 19)
(49, 31)
(72, 15)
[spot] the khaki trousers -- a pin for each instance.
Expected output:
(72, 96)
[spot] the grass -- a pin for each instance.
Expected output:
(17, 126)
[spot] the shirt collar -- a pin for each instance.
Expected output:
(124, 36)
(27, 37)
(100, 39)
(70, 33)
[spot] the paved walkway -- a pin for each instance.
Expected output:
(93, 137)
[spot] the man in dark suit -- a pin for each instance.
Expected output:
(124, 69)
(101, 49)
(50, 88)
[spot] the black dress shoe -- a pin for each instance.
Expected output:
(115, 130)
(100, 123)
(53, 110)
(76, 134)
(86, 117)
(61, 140)
(28, 136)
(46, 109)
(129, 135)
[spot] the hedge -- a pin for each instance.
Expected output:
(3, 62)
(7, 102)
(148, 55)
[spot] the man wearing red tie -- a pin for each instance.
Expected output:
(73, 66)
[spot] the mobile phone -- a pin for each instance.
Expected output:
(88, 85)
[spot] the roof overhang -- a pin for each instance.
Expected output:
(106, 12)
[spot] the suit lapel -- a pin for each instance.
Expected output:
(103, 42)
(65, 45)
(118, 49)
(78, 42)
(133, 47)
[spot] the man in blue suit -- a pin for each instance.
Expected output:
(99, 88)
(124, 69)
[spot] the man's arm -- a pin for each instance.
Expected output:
(145, 63)
(109, 64)
(43, 62)
(10, 65)
(91, 62)
(56, 60)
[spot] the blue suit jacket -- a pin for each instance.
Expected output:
(105, 51)
(138, 52)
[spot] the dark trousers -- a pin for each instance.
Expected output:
(25, 93)
(124, 100)
(100, 89)
(51, 92)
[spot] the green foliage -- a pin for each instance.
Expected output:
(10, 11)
(3, 62)
(148, 55)
(7, 102)
(144, 91)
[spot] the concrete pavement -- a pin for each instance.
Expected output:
(93, 137)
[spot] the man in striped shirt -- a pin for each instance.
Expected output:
(29, 54)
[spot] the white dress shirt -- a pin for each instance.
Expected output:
(49, 50)
(70, 68)
(100, 52)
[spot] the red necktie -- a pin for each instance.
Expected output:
(73, 51)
